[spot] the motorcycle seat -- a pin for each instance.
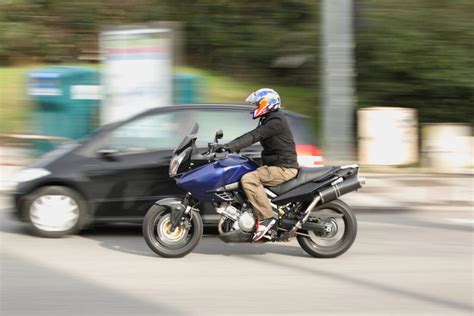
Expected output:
(304, 175)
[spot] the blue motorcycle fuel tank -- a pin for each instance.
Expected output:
(215, 175)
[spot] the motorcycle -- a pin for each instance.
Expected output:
(307, 207)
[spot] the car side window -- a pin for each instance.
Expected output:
(166, 130)
(233, 124)
(301, 129)
(149, 133)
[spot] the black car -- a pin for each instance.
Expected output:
(117, 173)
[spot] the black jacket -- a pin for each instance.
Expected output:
(276, 138)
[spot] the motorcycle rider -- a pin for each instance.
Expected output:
(278, 156)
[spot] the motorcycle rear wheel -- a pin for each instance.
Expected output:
(342, 235)
(165, 243)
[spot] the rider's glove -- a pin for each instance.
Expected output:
(222, 149)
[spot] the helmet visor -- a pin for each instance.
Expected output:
(252, 99)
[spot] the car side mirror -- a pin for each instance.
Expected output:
(219, 135)
(107, 153)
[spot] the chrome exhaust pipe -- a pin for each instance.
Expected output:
(300, 223)
(309, 209)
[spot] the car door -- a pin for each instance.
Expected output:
(129, 166)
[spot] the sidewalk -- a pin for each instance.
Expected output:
(413, 192)
(386, 189)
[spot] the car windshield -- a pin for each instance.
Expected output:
(190, 135)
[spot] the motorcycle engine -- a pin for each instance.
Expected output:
(244, 221)
(229, 211)
(247, 222)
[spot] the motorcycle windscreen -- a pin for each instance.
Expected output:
(190, 135)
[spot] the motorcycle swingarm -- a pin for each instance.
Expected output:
(324, 215)
(310, 226)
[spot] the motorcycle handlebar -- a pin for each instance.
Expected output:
(212, 153)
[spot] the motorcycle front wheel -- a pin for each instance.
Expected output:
(342, 231)
(171, 244)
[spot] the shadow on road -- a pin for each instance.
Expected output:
(212, 245)
(129, 239)
(9, 224)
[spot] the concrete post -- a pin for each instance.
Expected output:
(337, 77)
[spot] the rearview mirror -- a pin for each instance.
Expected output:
(219, 135)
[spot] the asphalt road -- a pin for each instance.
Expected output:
(400, 264)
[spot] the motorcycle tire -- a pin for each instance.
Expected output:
(334, 244)
(167, 244)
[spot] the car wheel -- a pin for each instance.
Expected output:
(55, 211)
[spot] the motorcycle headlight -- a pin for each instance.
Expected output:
(175, 162)
(30, 174)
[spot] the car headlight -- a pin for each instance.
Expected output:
(30, 174)
(175, 162)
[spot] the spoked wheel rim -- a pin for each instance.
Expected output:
(335, 231)
(168, 238)
(54, 213)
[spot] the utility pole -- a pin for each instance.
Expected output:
(338, 78)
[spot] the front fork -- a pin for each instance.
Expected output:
(178, 212)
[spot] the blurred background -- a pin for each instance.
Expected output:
(402, 54)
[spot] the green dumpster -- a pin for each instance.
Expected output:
(66, 102)
(186, 88)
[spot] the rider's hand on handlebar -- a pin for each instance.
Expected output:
(222, 149)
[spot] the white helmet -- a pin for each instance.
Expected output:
(267, 100)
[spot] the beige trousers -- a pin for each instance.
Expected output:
(253, 184)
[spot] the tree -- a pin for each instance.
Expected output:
(417, 54)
